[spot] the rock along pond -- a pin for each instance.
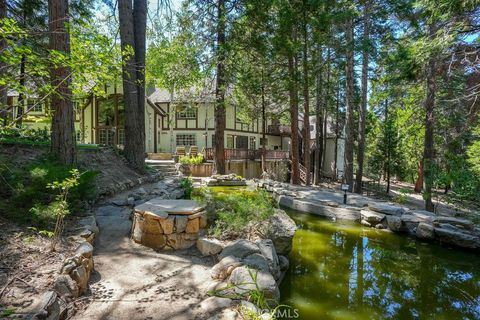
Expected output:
(344, 271)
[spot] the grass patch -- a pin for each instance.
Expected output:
(231, 212)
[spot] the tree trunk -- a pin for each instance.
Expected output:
(132, 85)
(389, 147)
(349, 71)
(3, 45)
(337, 131)
(306, 103)
(318, 121)
(419, 182)
(63, 131)
(264, 125)
(139, 30)
(293, 119)
(21, 95)
(325, 112)
(220, 118)
(428, 156)
(363, 105)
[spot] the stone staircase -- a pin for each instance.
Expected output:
(165, 167)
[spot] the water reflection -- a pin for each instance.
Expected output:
(349, 272)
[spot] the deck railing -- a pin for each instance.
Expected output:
(247, 154)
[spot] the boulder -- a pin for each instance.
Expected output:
(224, 268)
(65, 286)
(85, 249)
(243, 279)
(268, 251)
(386, 208)
(461, 223)
(239, 248)
(81, 277)
(256, 261)
(52, 307)
(457, 236)
(209, 246)
(138, 193)
(213, 304)
(425, 231)
(281, 229)
(365, 223)
(180, 223)
(394, 223)
(411, 219)
(372, 217)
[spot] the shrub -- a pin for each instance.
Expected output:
(187, 186)
(233, 211)
(27, 196)
(24, 135)
(195, 160)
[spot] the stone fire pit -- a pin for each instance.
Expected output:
(168, 224)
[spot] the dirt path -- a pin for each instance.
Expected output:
(134, 282)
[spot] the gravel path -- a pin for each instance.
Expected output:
(135, 282)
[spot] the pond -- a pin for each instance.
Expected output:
(344, 271)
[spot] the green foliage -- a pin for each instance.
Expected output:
(233, 211)
(32, 191)
(24, 135)
(187, 186)
(194, 160)
(473, 152)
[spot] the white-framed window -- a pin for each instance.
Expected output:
(253, 143)
(34, 105)
(186, 139)
(312, 127)
(186, 113)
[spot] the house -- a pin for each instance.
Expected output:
(186, 120)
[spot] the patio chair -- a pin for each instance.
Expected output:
(180, 151)
(193, 151)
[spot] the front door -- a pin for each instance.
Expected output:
(110, 120)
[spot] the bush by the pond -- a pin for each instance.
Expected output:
(26, 187)
(233, 211)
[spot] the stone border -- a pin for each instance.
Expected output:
(74, 274)
(127, 184)
(421, 224)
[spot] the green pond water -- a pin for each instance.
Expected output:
(343, 271)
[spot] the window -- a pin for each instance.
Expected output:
(186, 113)
(312, 127)
(229, 141)
(242, 142)
(253, 144)
(34, 106)
(186, 140)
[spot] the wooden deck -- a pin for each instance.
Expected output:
(247, 154)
